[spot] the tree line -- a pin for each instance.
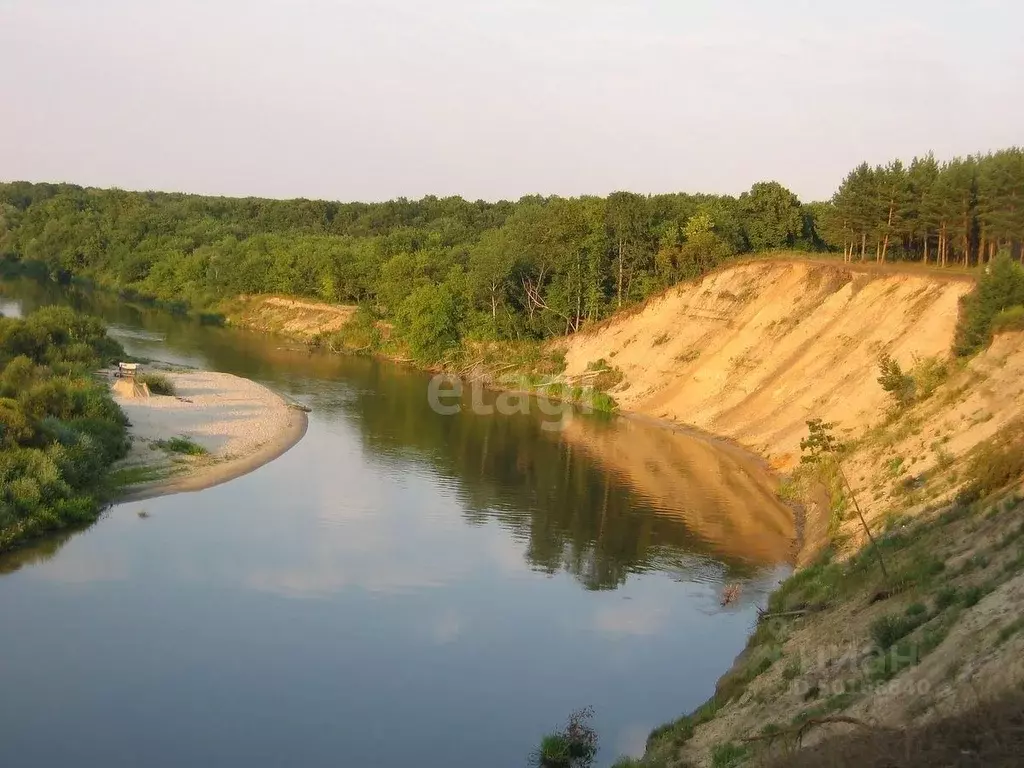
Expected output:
(443, 270)
(963, 211)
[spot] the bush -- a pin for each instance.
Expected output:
(183, 445)
(360, 334)
(1011, 319)
(888, 629)
(573, 747)
(928, 374)
(946, 597)
(998, 294)
(901, 386)
(819, 443)
(429, 318)
(995, 464)
(59, 430)
(728, 755)
(553, 752)
(608, 376)
(158, 384)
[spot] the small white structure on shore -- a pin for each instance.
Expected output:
(126, 381)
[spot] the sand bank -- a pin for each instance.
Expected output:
(241, 424)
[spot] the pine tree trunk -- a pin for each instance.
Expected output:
(888, 228)
(620, 274)
(926, 249)
(579, 308)
(863, 245)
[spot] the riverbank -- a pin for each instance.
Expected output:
(755, 351)
(214, 428)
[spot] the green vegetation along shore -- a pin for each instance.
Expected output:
(60, 431)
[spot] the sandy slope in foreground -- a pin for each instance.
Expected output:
(242, 424)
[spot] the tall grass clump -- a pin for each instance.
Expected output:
(182, 444)
(575, 746)
(158, 384)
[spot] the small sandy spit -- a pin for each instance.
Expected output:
(241, 424)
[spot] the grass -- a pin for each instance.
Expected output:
(680, 731)
(158, 384)
(1011, 319)
(553, 751)
(134, 475)
(1010, 630)
(181, 444)
(886, 630)
(928, 374)
(792, 670)
(607, 376)
(729, 755)
(995, 464)
(835, 703)
(946, 597)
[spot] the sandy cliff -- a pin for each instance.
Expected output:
(754, 351)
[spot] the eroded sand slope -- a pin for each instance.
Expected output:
(754, 351)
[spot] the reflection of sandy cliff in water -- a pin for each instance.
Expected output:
(721, 497)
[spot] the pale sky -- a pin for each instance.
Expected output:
(493, 99)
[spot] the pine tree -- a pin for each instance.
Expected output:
(894, 194)
(918, 224)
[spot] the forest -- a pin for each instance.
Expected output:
(442, 271)
(60, 431)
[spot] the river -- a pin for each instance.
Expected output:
(402, 588)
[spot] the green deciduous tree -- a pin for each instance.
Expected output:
(772, 216)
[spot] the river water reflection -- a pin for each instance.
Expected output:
(401, 588)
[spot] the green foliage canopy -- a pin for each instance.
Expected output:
(59, 429)
(1000, 290)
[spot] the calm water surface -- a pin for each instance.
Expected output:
(400, 589)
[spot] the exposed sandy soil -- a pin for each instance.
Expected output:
(288, 317)
(242, 424)
(753, 351)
